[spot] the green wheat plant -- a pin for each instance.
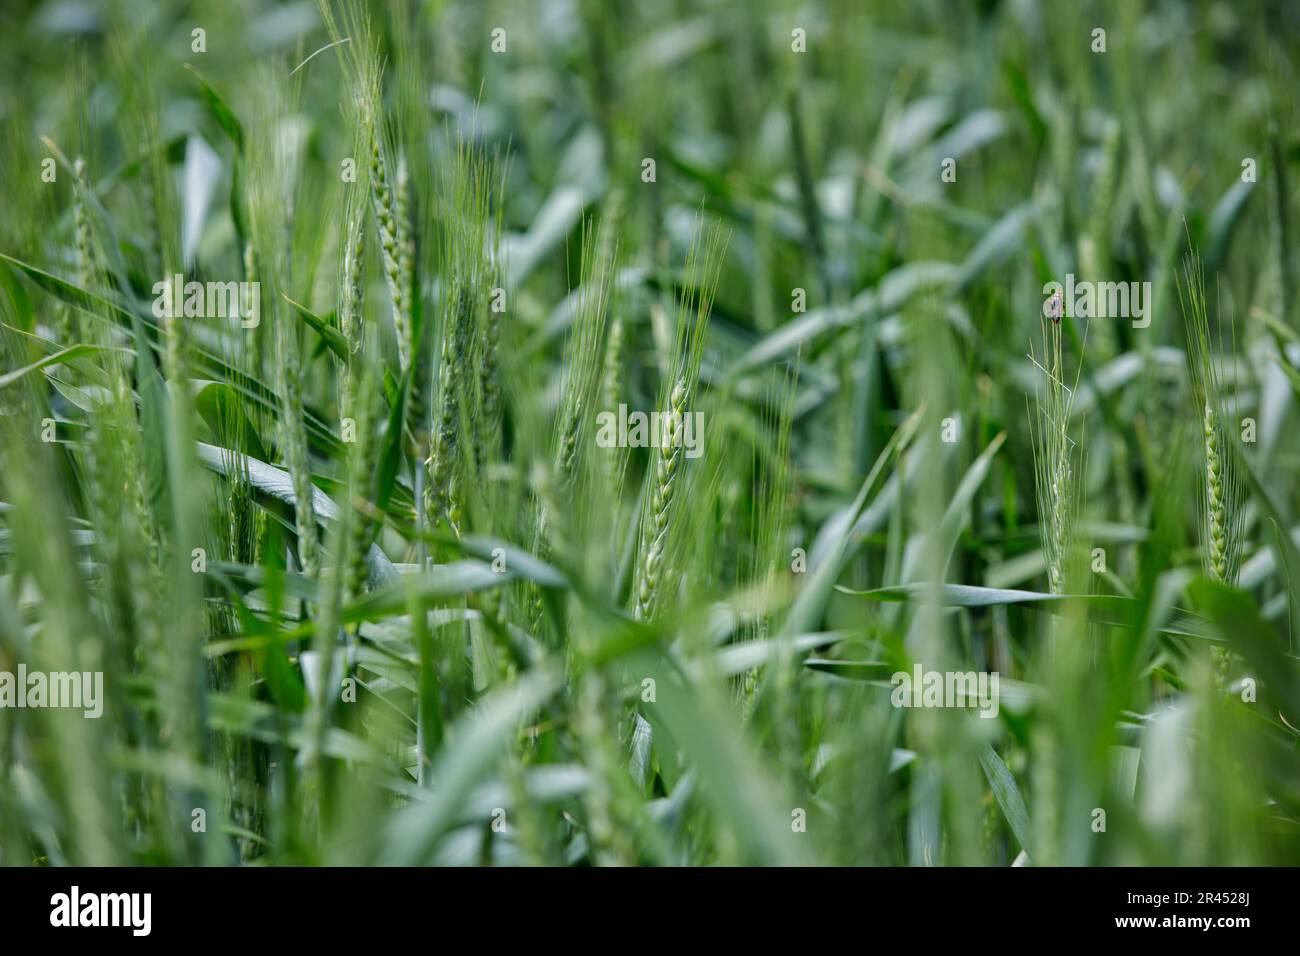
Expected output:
(1222, 491)
(1058, 459)
(354, 554)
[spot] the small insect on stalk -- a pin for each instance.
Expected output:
(1222, 491)
(1057, 457)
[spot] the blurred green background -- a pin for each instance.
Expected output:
(871, 410)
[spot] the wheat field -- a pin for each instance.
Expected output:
(658, 433)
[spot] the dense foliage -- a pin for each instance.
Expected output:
(543, 432)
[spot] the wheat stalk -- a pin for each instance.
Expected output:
(389, 195)
(392, 232)
(1222, 493)
(350, 305)
(703, 265)
(444, 437)
(1057, 465)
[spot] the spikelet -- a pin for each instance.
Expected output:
(392, 235)
(703, 266)
(1057, 456)
(1222, 493)
(667, 463)
(444, 438)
